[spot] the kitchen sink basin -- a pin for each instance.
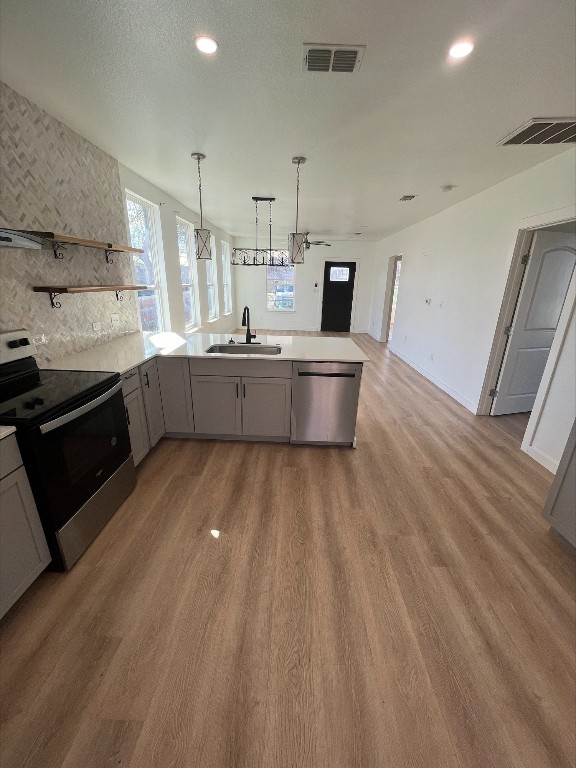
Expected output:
(244, 349)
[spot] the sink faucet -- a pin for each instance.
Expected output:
(246, 322)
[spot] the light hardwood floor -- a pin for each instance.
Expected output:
(400, 605)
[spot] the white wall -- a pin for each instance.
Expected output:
(251, 288)
(555, 407)
(169, 243)
(460, 259)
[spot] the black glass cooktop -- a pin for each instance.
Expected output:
(30, 396)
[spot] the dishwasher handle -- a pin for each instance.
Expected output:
(328, 375)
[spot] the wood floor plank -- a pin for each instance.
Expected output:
(402, 604)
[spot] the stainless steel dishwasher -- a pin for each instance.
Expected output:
(325, 402)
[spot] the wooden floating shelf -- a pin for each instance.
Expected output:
(59, 241)
(60, 237)
(56, 290)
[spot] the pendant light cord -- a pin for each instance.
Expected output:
(297, 191)
(200, 191)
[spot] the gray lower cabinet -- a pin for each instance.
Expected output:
(266, 406)
(174, 379)
(136, 418)
(23, 550)
(152, 401)
(242, 405)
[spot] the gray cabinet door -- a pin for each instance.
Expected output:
(266, 407)
(23, 550)
(217, 406)
(174, 378)
(152, 401)
(136, 417)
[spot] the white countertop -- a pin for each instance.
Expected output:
(134, 349)
(5, 431)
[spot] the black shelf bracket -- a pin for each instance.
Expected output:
(58, 249)
(55, 304)
(119, 296)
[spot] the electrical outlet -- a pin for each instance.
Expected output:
(39, 339)
(96, 326)
(115, 320)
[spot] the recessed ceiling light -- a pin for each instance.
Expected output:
(206, 44)
(461, 49)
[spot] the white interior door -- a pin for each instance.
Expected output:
(546, 280)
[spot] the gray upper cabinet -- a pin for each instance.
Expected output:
(266, 407)
(23, 550)
(217, 407)
(560, 508)
(152, 401)
(174, 379)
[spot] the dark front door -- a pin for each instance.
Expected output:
(337, 296)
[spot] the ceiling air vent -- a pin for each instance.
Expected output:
(406, 198)
(543, 130)
(332, 58)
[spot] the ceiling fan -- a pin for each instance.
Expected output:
(308, 243)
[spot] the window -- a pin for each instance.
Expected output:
(212, 281)
(226, 281)
(188, 273)
(280, 289)
(339, 274)
(142, 224)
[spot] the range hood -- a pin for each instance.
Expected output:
(14, 238)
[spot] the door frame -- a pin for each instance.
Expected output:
(508, 308)
(395, 260)
(354, 293)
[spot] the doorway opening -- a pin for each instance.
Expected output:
(395, 282)
(540, 274)
(337, 296)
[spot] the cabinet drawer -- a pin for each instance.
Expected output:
(130, 381)
(10, 457)
(200, 366)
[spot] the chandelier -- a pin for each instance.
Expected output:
(201, 235)
(261, 257)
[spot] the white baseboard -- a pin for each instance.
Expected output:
(548, 463)
(466, 402)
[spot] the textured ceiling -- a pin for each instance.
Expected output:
(127, 76)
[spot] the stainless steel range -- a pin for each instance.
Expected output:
(72, 432)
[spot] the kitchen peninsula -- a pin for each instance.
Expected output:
(306, 392)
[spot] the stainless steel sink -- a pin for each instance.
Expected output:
(244, 349)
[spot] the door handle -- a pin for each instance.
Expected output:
(147, 382)
(127, 416)
(244, 391)
(236, 390)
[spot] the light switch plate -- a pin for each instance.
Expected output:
(115, 320)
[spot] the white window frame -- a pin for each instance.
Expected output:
(156, 255)
(212, 282)
(226, 277)
(280, 309)
(193, 271)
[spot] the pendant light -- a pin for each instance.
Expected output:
(297, 240)
(201, 235)
(260, 257)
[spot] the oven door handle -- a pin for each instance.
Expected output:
(61, 420)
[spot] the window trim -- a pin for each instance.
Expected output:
(157, 257)
(212, 281)
(193, 271)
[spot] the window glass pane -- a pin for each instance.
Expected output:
(183, 254)
(149, 306)
(140, 221)
(280, 288)
(212, 281)
(188, 273)
(226, 279)
(339, 274)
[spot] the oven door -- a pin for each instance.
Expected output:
(75, 454)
